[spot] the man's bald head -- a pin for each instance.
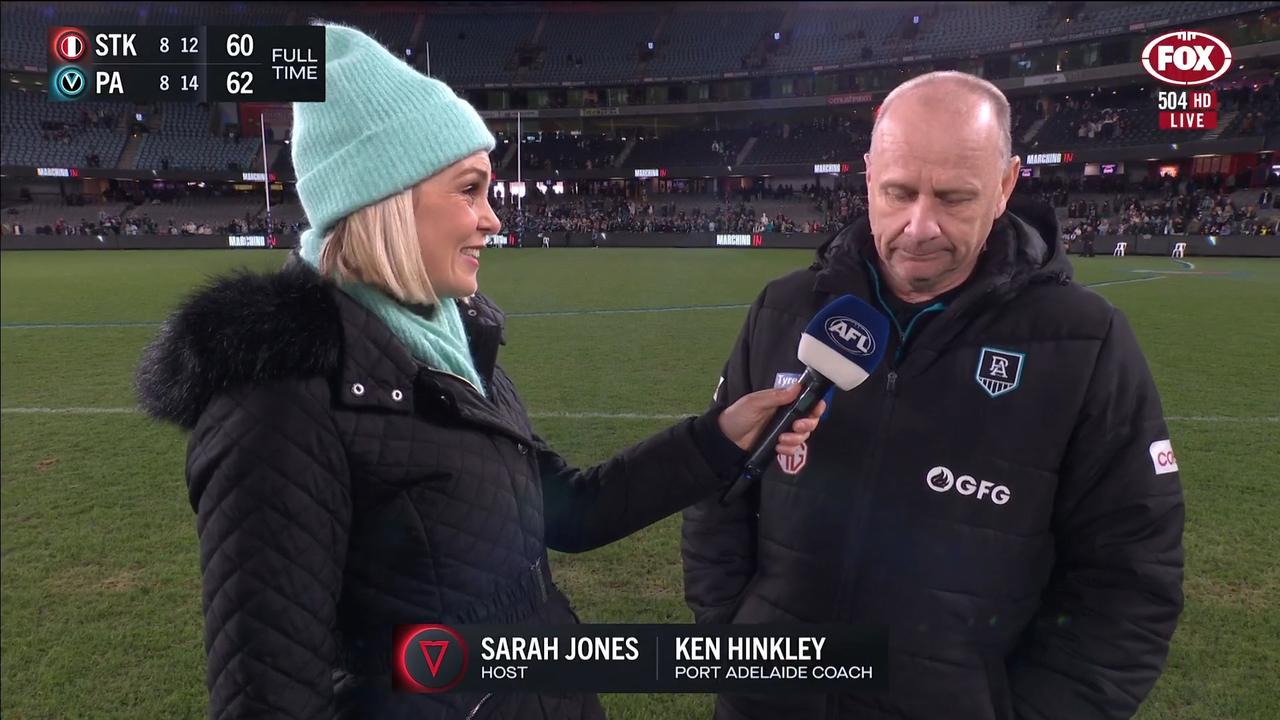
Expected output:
(955, 96)
(939, 173)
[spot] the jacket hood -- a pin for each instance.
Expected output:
(1023, 246)
(242, 328)
(248, 328)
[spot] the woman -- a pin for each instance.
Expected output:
(357, 457)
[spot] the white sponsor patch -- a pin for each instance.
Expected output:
(940, 480)
(784, 380)
(793, 464)
(1162, 458)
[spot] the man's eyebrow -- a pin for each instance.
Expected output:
(945, 192)
(898, 185)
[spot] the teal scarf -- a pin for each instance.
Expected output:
(440, 341)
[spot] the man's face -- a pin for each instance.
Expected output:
(936, 183)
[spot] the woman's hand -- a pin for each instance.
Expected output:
(744, 421)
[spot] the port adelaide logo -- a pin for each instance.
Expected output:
(999, 371)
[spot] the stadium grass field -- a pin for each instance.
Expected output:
(101, 587)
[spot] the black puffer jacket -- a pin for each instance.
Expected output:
(1000, 495)
(342, 488)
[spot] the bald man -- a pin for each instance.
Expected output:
(1001, 495)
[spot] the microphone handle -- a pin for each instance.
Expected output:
(815, 386)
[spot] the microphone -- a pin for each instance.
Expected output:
(842, 345)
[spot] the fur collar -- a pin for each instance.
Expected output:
(242, 328)
(250, 328)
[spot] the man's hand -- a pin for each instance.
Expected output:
(745, 420)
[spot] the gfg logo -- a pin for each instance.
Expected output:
(940, 479)
(1186, 57)
(851, 335)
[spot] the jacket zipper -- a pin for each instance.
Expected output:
(479, 705)
(542, 582)
(872, 474)
(459, 377)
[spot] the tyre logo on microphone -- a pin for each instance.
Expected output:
(851, 335)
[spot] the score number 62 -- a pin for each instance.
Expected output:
(238, 83)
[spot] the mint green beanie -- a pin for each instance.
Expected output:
(383, 128)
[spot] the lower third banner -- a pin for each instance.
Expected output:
(639, 658)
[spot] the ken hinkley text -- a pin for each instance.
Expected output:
(750, 649)
(760, 658)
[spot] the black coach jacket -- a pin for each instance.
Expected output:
(1000, 495)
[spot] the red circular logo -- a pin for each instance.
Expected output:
(71, 45)
(1186, 57)
(429, 658)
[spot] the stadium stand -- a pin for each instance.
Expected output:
(831, 139)
(689, 146)
(470, 47)
(683, 49)
(551, 44)
(592, 47)
(839, 35)
(184, 141)
(552, 150)
(66, 219)
(37, 132)
(473, 48)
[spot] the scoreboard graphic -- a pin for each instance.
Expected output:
(186, 63)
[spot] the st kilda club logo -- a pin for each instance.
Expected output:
(428, 658)
(70, 44)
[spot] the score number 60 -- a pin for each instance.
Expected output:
(238, 83)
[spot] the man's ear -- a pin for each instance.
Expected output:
(1007, 182)
(866, 160)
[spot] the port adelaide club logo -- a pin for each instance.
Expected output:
(999, 371)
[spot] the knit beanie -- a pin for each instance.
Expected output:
(383, 128)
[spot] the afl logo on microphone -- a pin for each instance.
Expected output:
(1186, 57)
(851, 335)
(428, 658)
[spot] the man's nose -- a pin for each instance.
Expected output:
(923, 223)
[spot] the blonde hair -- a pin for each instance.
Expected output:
(378, 245)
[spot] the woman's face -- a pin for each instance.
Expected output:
(451, 211)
